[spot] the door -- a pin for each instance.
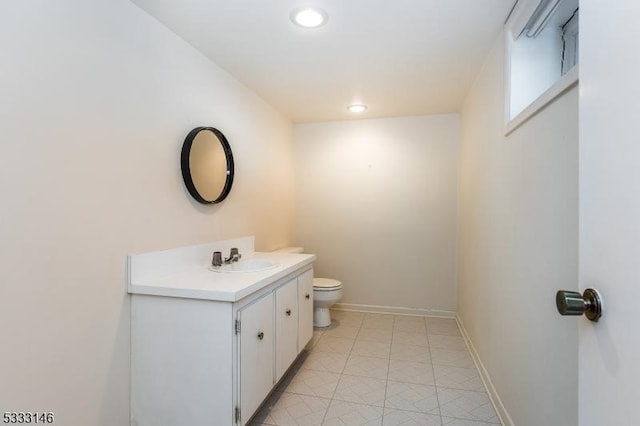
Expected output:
(286, 326)
(256, 354)
(609, 364)
(305, 308)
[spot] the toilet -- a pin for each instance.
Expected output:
(326, 292)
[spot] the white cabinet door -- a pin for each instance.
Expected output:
(286, 326)
(256, 354)
(305, 309)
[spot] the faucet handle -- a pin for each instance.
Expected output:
(234, 256)
(217, 259)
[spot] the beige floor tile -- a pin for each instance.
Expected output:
(292, 409)
(409, 327)
(334, 344)
(347, 318)
(409, 324)
(452, 358)
(467, 405)
(311, 382)
(412, 397)
(362, 390)
(410, 338)
(410, 372)
(347, 331)
(332, 362)
(458, 378)
(341, 413)
(375, 334)
(444, 328)
(460, 422)
(382, 369)
(393, 417)
(447, 342)
(403, 352)
(379, 321)
(372, 349)
(317, 334)
(367, 367)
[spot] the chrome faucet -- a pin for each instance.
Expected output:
(217, 261)
(234, 256)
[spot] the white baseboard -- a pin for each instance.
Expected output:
(504, 416)
(397, 310)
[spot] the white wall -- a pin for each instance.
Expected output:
(376, 201)
(518, 236)
(96, 99)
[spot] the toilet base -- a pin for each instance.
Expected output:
(321, 317)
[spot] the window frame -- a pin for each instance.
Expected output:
(515, 25)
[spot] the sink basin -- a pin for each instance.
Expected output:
(246, 265)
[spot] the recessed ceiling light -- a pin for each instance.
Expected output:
(309, 17)
(357, 108)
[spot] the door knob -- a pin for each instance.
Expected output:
(288, 312)
(260, 335)
(306, 296)
(573, 303)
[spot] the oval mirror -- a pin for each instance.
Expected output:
(207, 165)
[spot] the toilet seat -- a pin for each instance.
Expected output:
(326, 284)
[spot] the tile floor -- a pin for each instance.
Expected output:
(378, 369)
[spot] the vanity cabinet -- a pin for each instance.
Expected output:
(210, 362)
(286, 314)
(305, 308)
(257, 343)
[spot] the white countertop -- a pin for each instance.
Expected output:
(196, 281)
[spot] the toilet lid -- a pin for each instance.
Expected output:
(326, 284)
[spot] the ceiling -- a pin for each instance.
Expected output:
(399, 57)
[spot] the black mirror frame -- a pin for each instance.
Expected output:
(186, 170)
